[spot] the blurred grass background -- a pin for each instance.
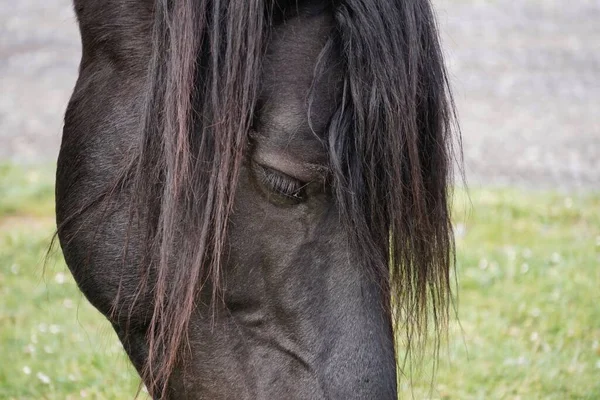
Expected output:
(55, 344)
(528, 302)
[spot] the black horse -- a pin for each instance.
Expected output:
(254, 192)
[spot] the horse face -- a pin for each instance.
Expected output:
(301, 319)
(243, 187)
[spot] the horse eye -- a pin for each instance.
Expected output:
(289, 189)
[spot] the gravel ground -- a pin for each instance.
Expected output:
(39, 55)
(526, 78)
(525, 75)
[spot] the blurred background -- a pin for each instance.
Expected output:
(525, 78)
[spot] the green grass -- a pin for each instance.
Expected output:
(54, 344)
(27, 192)
(528, 303)
(528, 299)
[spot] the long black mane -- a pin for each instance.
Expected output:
(389, 146)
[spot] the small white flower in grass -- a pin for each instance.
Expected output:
(598, 364)
(43, 377)
(43, 328)
(555, 259)
(71, 377)
(546, 347)
(536, 312)
(511, 253)
(595, 345)
(60, 278)
(568, 202)
(524, 268)
(67, 303)
(83, 393)
(26, 370)
(518, 361)
(54, 329)
(30, 349)
(483, 263)
(15, 269)
(534, 337)
(460, 230)
(48, 350)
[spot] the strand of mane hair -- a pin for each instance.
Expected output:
(391, 151)
(202, 87)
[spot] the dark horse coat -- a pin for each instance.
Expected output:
(255, 192)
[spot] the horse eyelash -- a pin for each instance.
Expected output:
(281, 183)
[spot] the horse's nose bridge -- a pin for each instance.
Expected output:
(359, 362)
(357, 347)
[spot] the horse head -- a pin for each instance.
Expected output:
(254, 193)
